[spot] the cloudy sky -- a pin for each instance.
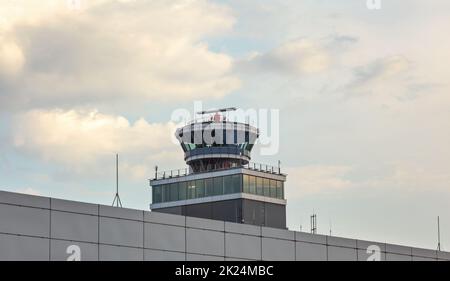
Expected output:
(363, 94)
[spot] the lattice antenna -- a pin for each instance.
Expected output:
(117, 200)
(439, 235)
(314, 224)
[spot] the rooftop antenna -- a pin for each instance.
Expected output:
(300, 223)
(439, 236)
(217, 110)
(314, 224)
(116, 200)
(330, 227)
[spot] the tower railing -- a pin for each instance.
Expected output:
(186, 171)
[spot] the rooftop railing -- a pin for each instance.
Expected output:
(186, 171)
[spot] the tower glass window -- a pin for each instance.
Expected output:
(157, 194)
(227, 184)
(280, 190)
(236, 181)
(218, 186)
(191, 190)
(259, 186)
(273, 188)
(246, 184)
(173, 191)
(200, 187)
(252, 184)
(266, 183)
(209, 187)
(182, 190)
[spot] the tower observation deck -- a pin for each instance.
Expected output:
(220, 182)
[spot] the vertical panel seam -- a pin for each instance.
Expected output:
(98, 232)
(50, 231)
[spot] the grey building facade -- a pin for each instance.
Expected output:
(42, 228)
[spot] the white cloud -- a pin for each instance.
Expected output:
(142, 50)
(300, 56)
(30, 191)
(316, 179)
(85, 142)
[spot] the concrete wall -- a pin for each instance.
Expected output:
(39, 228)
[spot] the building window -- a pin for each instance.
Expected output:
(191, 190)
(182, 190)
(252, 184)
(173, 191)
(246, 183)
(273, 188)
(259, 186)
(266, 183)
(166, 193)
(218, 186)
(157, 194)
(236, 183)
(200, 187)
(227, 185)
(280, 191)
(209, 187)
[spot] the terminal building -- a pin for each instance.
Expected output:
(221, 207)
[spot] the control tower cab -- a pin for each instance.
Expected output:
(212, 142)
(220, 182)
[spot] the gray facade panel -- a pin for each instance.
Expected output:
(341, 242)
(64, 250)
(75, 227)
(236, 259)
(24, 220)
(310, 252)
(311, 238)
(155, 255)
(205, 224)
(398, 249)
(75, 207)
(205, 242)
(278, 233)
(443, 255)
(157, 217)
(164, 237)
(121, 213)
(277, 249)
(414, 258)
(121, 232)
(242, 246)
(118, 253)
(397, 257)
(364, 245)
(23, 248)
(341, 254)
(24, 200)
(424, 253)
(194, 257)
(243, 228)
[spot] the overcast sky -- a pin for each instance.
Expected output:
(364, 100)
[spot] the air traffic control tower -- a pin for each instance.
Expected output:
(220, 182)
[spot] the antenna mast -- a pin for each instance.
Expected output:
(314, 224)
(439, 236)
(116, 200)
